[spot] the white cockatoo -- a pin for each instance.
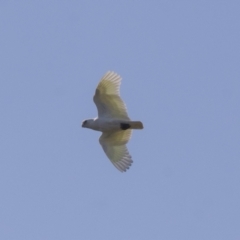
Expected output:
(113, 121)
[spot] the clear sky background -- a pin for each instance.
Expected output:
(180, 64)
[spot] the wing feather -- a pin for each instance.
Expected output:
(114, 145)
(107, 97)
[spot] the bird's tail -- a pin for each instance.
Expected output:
(136, 125)
(131, 125)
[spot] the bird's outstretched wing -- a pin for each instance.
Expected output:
(107, 97)
(114, 145)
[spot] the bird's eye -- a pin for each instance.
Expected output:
(85, 122)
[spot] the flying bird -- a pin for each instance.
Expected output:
(113, 121)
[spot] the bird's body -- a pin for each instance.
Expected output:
(103, 124)
(109, 125)
(112, 121)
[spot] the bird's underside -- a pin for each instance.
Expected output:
(111, 109)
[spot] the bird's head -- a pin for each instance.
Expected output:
(87, 123)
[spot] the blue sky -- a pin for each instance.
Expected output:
(179, 61)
